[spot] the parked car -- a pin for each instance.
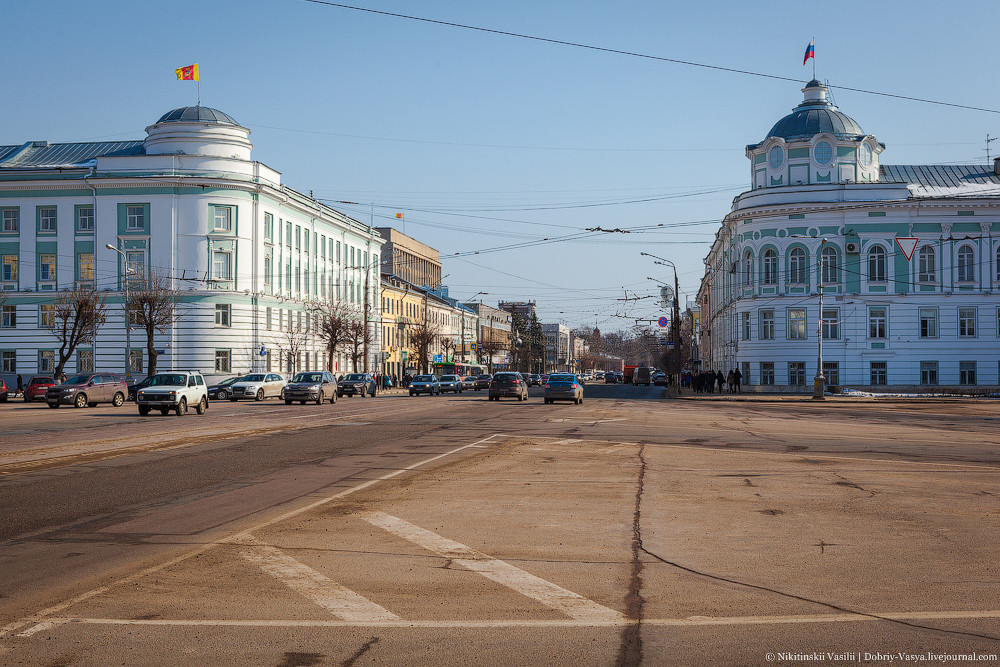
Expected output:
(564, 387)
(425, 384)
(173, 390)
(257, 386)
(452, 383)
(483, 382)
(219, 391)
(134, 386)
(317, 386)
(660, 378)
(357, 383)
(85, 389)
(508, 384)
(610, 378)
(536, 379)
(469, 382)
(37, 386)
(4, 391)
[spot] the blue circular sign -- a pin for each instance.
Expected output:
(663, 321)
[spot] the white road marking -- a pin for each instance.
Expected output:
(342, 602)
(34, 620)
(570, 603)
(567, 441)
(527, 623)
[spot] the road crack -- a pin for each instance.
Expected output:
(630, 647)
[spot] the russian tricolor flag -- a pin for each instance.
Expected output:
(810, 52)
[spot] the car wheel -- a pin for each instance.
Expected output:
(411, 393)
(53, 405)
(302, 402)
(202, 406)
(143, 410)
(362, 392)
(81, 400)
(333, 399)
(118, 400)
(320, 398)
(260, 395)
(182, 406)
(26, 399)
(223, 394)
(164, 411)
(232, 400)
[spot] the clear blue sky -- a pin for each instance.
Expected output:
(484, 140)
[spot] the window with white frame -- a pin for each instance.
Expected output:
(135, 266)
(746, 326)
(223, 314)
(47, 220)
(85, 264)
(967, 372)
(877, 264)
(967, 322)
(135, 218)
(928, 372)
(267, 270)
(47, 315)
(878, 372)
(928, 319)
(796, 373)
(767, 324)
(797, 265)
(85, 361)
(831, 323)
(831, 371)
(11, 220)
(135, 361)
(267, 317)
(830, 265)
(46, 267)
(222, 364)
(8, 361)
(878, 320)
(8, 317)
(769, 269)
(46, 361)
(223, 219)
(748, 269)
(9, 269)
(926, 265)
(222, 265)
(966, 264)
(767, 372)
(797, 323)
(85, 219)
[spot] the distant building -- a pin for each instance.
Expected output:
(408, 258)
(558, 352)
(523, 309)
(494, 336)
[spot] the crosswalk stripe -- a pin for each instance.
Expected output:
(572, 604)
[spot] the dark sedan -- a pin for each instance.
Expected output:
(483, 382)
(564, 387)
(508, 384)
(219, 391)
(362, 384)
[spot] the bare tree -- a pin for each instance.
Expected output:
(152, 307)
(334, 317)
(422, 337)
(358, 338)
(291, 340)
(77, 316)
(447, 345)
(487, 349)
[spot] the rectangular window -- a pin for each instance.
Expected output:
(831, 371)
(967, 372)
(269, 227)
(337, 256)
(221, 265)
(8, 317)
(85, 361)
(746, 326)
(928, 323)
(85, 262)
(797, 323)
(967, 322)
(47, 315)
(47, 220)
(928, 372)
(46, 361)
(267, 317)
(223, 219)
(797, 373)
(8, 361)
(305, 241)
(11, 220)
(322, 246)
(879, 373)
(223, 314)
(767, 324)
(135, 218)
(288, 234)
(10, 269)
(135, 361)
(831, 323)
(46, 267)
(298, 237)
(767, 372)
(135, 266)
(877, 320)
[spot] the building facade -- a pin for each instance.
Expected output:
(884, 275)
(246, 254)
(409, 259)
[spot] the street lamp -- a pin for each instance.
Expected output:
(128, 342)
(819, 382)
(675, 324)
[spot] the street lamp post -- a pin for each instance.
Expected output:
(819, 382)
(675, 324)
(128, 342)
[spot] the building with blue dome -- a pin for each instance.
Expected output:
(879, 276)
(248, 254)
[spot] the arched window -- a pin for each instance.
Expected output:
(748, 269)
(769, 270)
(966, 264)
(797, 265)
(876, 264)
(829, 267)
(926, 265)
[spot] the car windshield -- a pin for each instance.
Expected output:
(229, 381)
(450, 378)
(355, 377)
(484, 377)
(423, 378)
(308, 377)
(78, 379)
(561, 378)
(168, 380)
(507, 376)
(40, 380)
(253, 378)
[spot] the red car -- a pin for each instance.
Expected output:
(3, 392)
(37, 385)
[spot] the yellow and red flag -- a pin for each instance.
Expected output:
(399, 216)
(189, 73)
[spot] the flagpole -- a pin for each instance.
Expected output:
(814, 61)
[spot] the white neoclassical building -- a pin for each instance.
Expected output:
(825, 216)
(248, 253)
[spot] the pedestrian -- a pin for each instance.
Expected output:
(720, 379)
(62, 378)
(739, 379)
(731, 381)
(20, 384)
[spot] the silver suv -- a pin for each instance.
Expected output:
(173, 390)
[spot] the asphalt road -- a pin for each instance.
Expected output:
(631, 529)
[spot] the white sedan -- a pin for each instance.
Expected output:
(258, 386)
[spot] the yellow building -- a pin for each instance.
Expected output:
(402, 306)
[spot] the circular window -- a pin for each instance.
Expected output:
(866, 155)
(777, 157)
(823, 152)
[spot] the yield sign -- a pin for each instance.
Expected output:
(907, 244)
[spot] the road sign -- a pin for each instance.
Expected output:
(663, 321)
(907, 244)
(263, 351)
(405, 352)
(473, 346)
(663, 341)
(438, 358)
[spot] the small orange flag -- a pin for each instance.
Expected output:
(189, 73)
(399, 216)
